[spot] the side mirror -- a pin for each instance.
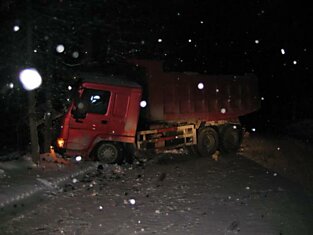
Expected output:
(79, 110)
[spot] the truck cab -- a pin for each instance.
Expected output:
(103, 115)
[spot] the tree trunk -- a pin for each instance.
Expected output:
(33, 126)
(31, 94)
(48, 122)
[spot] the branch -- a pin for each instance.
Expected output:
(70, 65)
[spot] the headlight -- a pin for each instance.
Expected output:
(60, 142)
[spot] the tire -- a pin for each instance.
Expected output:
(230, 138)
(207, 141)
(109, 153)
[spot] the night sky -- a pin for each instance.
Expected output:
(271, 39)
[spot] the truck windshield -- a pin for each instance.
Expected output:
(97, 100)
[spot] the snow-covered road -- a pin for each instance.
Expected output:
(172, 194)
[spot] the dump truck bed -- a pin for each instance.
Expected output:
(173, 96)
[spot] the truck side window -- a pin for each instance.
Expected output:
(97, 101)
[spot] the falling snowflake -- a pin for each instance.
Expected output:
(223, 110)
(256, 41)
(16, 28)
(200, 85)
(30, 79)
(143, 104)
(282, 51)
(160, 40)
(78, 158)
(60, 48)
(75, 54)
(294, 62)
(132, 201)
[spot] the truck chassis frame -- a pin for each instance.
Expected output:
(165, 138)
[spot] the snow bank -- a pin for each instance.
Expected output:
(289, 157)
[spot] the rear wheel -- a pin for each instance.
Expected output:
(231, 138)
(207, 141)
(109, 153)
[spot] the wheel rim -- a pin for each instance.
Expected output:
(107, 153)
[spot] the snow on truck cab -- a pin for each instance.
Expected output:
(199, 111)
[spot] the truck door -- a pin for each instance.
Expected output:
(83, 130)
(119, 113)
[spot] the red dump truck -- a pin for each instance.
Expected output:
(161, 110)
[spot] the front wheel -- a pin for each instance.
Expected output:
(207, 141)
(109, 153)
